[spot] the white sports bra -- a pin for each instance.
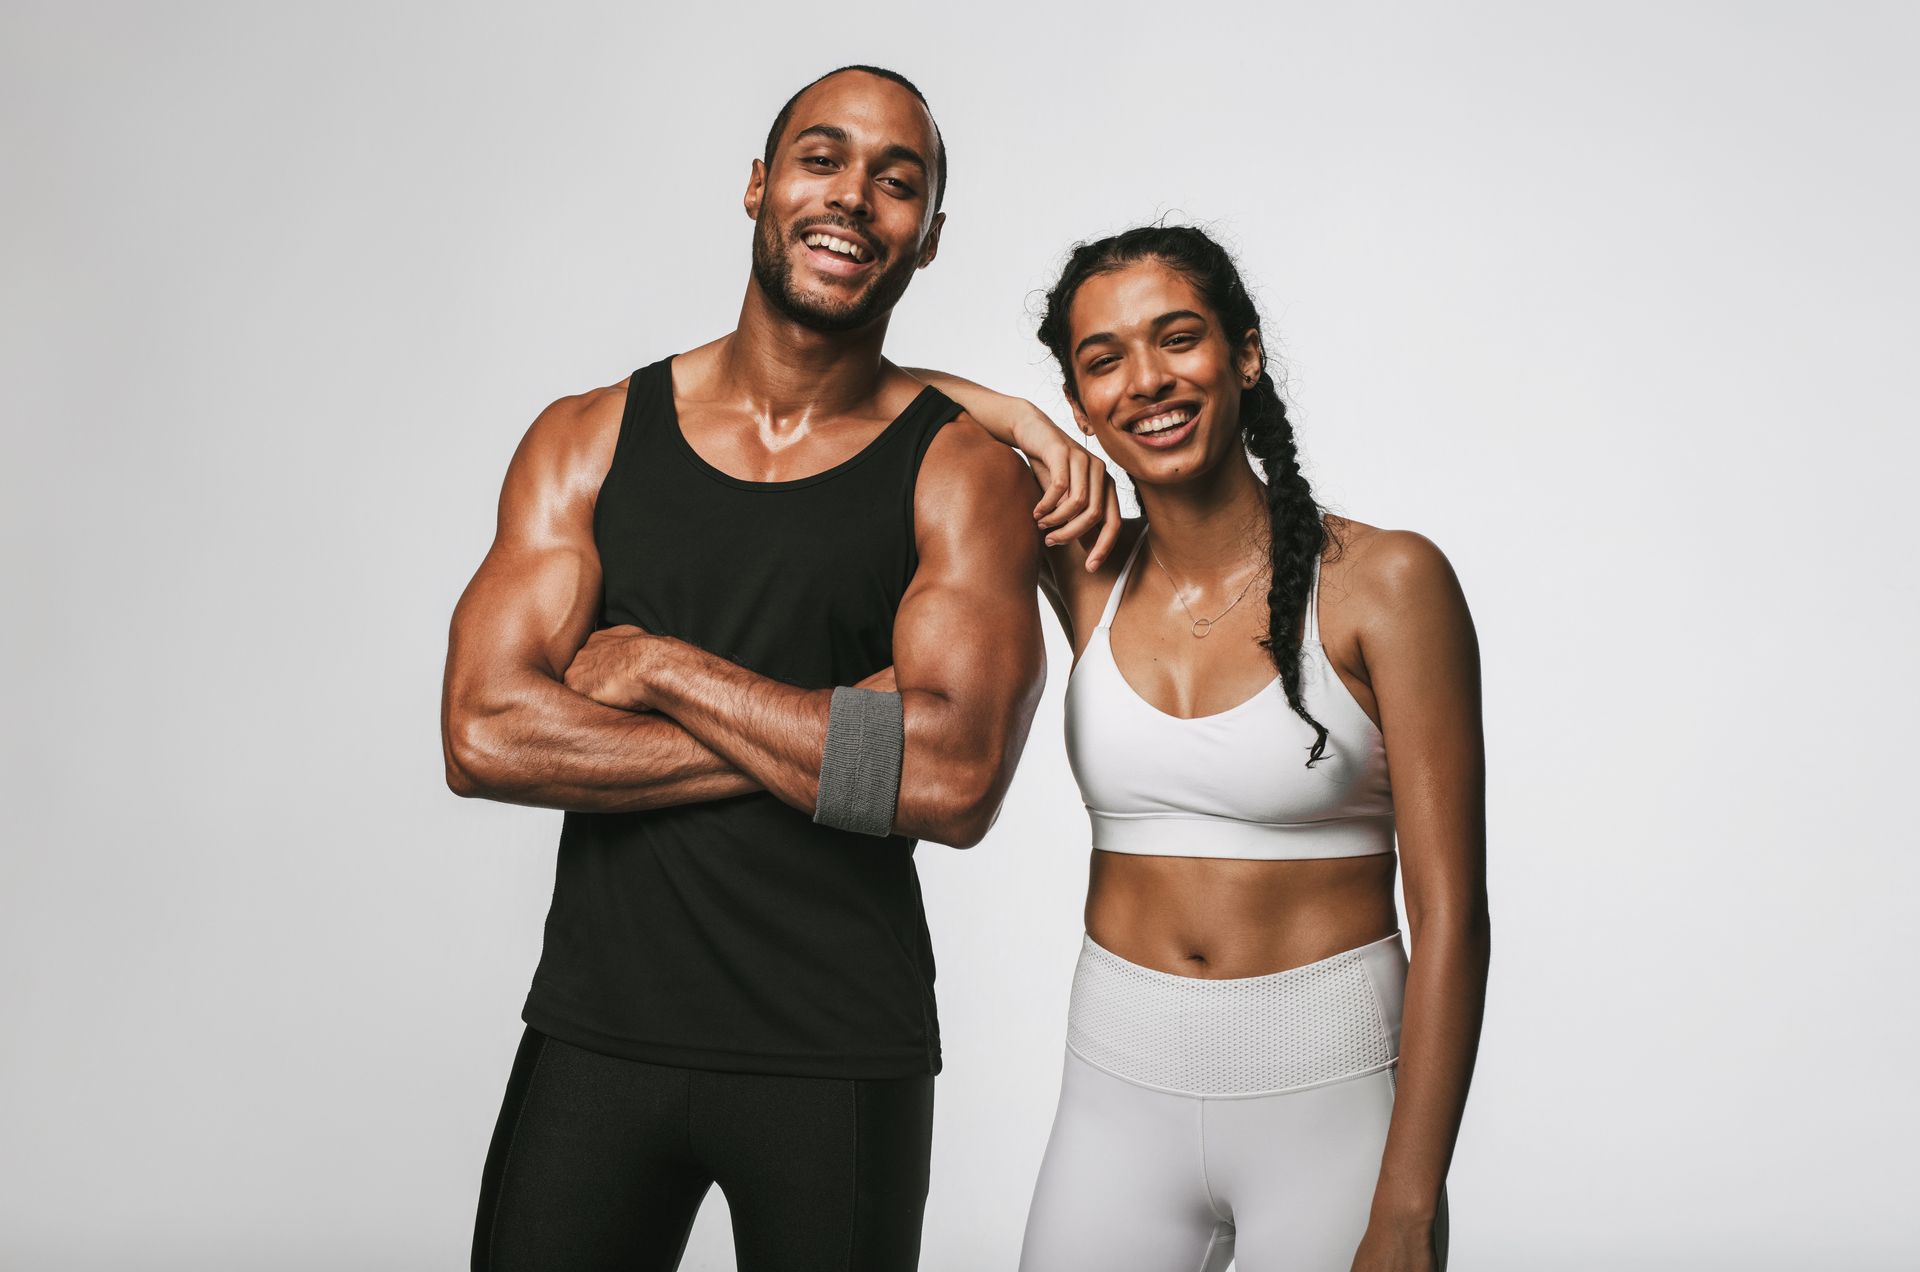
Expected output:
(1235, 783)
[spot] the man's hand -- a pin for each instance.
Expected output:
(881, 680)
(611, 667)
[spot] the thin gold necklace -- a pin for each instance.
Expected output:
(1201, 626)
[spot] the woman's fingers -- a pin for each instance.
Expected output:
(1054, 477)
(1093, 507)
(1103, 542)
(1072, 505)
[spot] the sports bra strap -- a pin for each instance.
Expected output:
(1120, 584)
(1310, 631)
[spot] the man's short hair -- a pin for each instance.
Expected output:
(939, 143)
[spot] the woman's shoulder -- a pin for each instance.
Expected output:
(1082, 593)
(1383, 571)
(1070, 562)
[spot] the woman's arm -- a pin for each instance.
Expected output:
(1423, 662)
(1079, 502)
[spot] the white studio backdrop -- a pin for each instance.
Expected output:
(1615, 302)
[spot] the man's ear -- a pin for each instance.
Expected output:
(931, 248)
(756, 190)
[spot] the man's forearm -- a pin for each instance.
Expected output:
(775, 733)
(552, 748)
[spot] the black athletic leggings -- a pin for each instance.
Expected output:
(599, 1162)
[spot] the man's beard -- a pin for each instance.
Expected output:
(773, 270)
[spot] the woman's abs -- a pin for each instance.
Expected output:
(1208, 917)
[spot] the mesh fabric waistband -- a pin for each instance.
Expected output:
(1256, 1035)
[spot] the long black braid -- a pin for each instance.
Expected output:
(1298, 533)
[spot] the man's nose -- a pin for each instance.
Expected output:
(849, 194)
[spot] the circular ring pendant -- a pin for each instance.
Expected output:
(1201, 626)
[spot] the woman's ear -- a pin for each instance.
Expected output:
(1251, 358)
(1080, 416)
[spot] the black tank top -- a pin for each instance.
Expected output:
(736, 934)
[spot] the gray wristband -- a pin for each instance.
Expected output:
(860, 768)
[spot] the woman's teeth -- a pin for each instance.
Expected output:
(1161, 423)
(840, 245)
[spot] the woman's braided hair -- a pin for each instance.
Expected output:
(1298, 531)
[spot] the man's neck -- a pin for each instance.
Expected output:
(783, 370)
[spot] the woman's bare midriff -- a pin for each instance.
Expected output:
(1217, 918)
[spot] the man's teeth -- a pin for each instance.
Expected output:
(840, 245)
(1161, 423)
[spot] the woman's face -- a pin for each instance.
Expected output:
(1155, 378)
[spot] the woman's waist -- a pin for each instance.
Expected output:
(1211, 918)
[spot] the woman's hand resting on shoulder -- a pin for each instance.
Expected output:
(1079, 500)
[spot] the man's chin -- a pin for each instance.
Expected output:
(824, 312)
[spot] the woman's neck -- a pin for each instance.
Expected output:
(1212, 527)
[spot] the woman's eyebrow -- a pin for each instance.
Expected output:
(1098, 337)
(1174, 315)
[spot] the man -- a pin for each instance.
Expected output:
(813, 580)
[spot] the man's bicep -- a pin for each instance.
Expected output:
(536, 596)
(528, 608)
(969, 621)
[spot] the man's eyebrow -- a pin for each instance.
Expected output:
(897, 153)
(827, 131)
(1101, 337)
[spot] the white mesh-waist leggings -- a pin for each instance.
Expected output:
(1203, 1122)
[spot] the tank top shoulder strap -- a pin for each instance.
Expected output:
(649, 393)
(1120, 584)
(927, 415)
(923, 419)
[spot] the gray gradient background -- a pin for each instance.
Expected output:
(1614, 302)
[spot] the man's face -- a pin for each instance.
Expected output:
(844, 215)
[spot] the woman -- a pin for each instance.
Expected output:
(1242, 1081)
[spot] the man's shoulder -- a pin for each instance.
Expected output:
(584, 416)
(964, 453)
(575, 434)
